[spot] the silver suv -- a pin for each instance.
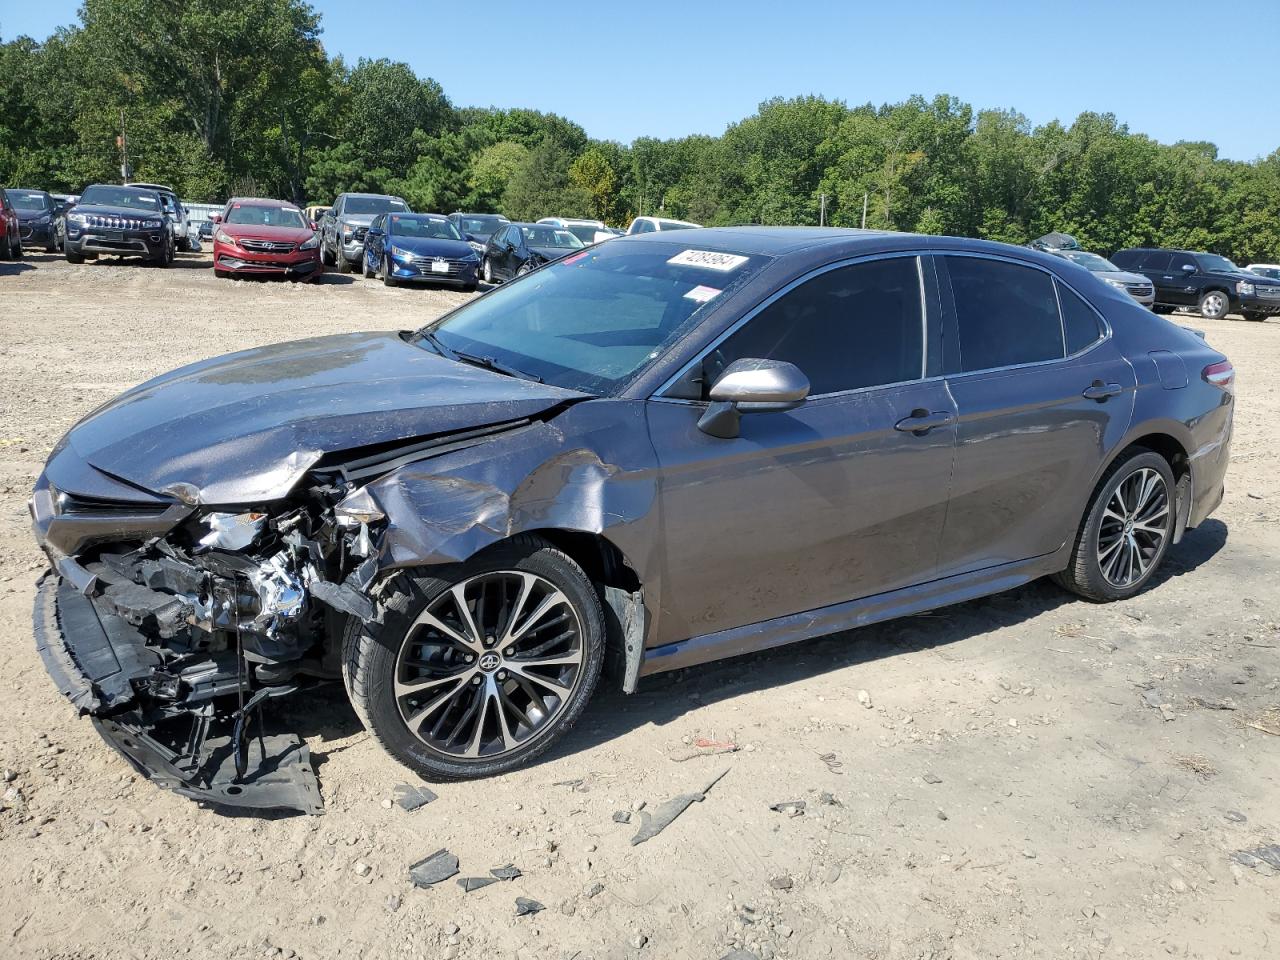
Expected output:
(175, 213)
(343, 228)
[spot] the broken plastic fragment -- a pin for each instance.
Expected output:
(622, 816)
(409, 797)
(509, 872)
(792, 808)
(1267, 853)
(474, 883)
(652, 824)
(526, 906)
(441, 865)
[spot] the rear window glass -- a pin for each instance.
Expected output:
(1079, 322)
(1007, 313)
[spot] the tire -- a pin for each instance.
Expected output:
(526, 567)
(524, 268)
(364, 268)
(1257, 317)
(166, 253)
(326, 258)
(387, 279)
(1098, 571)
(344, 265)
(1160, 308)
(16, 253)
(468, 288)
(487, 270)
(73, 257)
(1214, 305)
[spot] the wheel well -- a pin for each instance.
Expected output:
(1169, 448)
(599, 558)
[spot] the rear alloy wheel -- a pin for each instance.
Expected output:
(487, 270)
(344, 265)
(480, 667)
(1214, 305)
(1124, 536)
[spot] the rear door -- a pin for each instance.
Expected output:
(1043, 394)
(833, 501)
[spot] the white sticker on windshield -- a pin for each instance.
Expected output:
(702, 294)
(708, 260)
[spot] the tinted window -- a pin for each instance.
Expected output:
(1156, 260)
(1079, 322)
(1126, 259)
(359, 205)
(1007, 313)
(642, 226)
(856, 326)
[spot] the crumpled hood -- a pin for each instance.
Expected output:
(246, 427)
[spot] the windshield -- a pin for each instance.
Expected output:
(1216, 264)
(363, 205)
(591, 321)
(1272, 273)
(28, 200)
(129, 197)
(537, 236)
(435, 228)
(482, 226)
(262, 216)
(1091, 261)
(584, 232)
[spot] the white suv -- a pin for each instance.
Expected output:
(584, 230)
(654, 224)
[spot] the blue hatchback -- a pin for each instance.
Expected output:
(419, 247)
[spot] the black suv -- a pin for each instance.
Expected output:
(1212, 284)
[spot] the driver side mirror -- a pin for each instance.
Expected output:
(217, 218)
(1188, 268)
(312, 224)
(752, 386)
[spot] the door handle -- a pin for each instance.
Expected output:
(1101, 391)
(922, 421)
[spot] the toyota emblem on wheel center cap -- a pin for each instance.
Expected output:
(489, 662)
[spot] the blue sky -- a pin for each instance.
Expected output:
(667, 69)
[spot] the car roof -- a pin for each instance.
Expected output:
(151, 186)
(26, 190)
(262, 202)
(380, 196)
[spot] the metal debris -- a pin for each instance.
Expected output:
(526, 906)
(441, 865)
(1268, 854)
(931, 778)
(652, 824)
(829, 799)
(475, 883)
(509, 872)
(410, 797)
(622, 816)
(832, 761)
(780, 883)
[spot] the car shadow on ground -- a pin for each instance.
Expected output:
(666, 697)
(11, 268)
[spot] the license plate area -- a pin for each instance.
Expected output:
(439, 266)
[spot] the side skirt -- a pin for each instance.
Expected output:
(851, 614)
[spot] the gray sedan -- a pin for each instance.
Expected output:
(1134, 284)
(656, 452)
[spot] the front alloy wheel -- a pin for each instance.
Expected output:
(480, 666)
(1214, 305)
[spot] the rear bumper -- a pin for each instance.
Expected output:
(104, 667)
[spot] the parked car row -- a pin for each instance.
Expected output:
(1165, 280)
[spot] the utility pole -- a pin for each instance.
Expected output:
(126, 174)
(822, 210)
(864, 210)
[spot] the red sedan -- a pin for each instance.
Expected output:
(268, 238)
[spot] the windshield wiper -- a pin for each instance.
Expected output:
(497, 366)
(488, 363)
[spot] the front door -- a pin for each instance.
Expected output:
(835, 500)
(1042, 398)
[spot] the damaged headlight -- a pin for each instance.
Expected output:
(231, 531)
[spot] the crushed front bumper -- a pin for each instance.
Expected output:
(103, 665)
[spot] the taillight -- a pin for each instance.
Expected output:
(1220, 374)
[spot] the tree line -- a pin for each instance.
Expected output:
(222, 99)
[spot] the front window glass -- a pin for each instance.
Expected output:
(262, 216)
(434, 228)
(1272, 273)
(536, 236)
(593, 320)
(584, 232)
(25, 200)
(1212, 263)
(1007, 313)
(855, 326)
(367, 205)
(128, 197)
(1079, 322)
(1091, 261)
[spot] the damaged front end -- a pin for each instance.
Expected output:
(172, 626)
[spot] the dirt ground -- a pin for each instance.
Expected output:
(1022, 776)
